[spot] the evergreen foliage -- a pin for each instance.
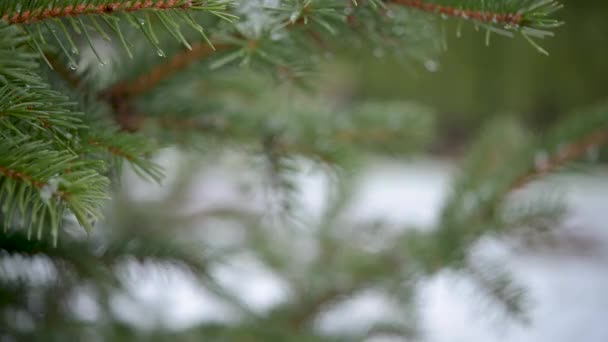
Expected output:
(88, 85)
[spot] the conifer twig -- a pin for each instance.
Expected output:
(565, 155)
(482, 16)
(163, 71)
(27, 16)
(184, 59)
(111, 149)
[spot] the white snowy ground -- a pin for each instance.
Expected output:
(567, 288)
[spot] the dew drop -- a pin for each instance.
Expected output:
(72, 66)
(160, 53)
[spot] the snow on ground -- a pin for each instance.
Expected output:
(567, 289)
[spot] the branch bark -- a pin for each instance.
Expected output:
(28, 17)
(571, 152)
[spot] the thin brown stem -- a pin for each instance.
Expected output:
(112, 149)
(482, 16)
(163, 71)
(119, 95)
(25, 178)
(27, 17)
(565, 155)
(182, 60)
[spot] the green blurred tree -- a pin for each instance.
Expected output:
(120, 78)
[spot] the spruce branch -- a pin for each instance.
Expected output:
(162, 71)
(27, 104)
(569, 140)
(102, 138)
(40, 174)
(39, 183)
(81, 17)
(495, 169)
(239, 41)
(129, 147)
(531, 18)
(47, 162)
(564, 155)
(514, 14)
(53, 11)
(514, 19)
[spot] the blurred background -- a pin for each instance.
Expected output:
(249, 249)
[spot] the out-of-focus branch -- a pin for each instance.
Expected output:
(149, 80)
(565, 155)
(67, 75)
(182, 60)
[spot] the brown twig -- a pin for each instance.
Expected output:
(27, 17)
(483, 16)
(177, 63)
(567, 154)
(112, 149)
(119, 95)
(25, 178)
(125, 114)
